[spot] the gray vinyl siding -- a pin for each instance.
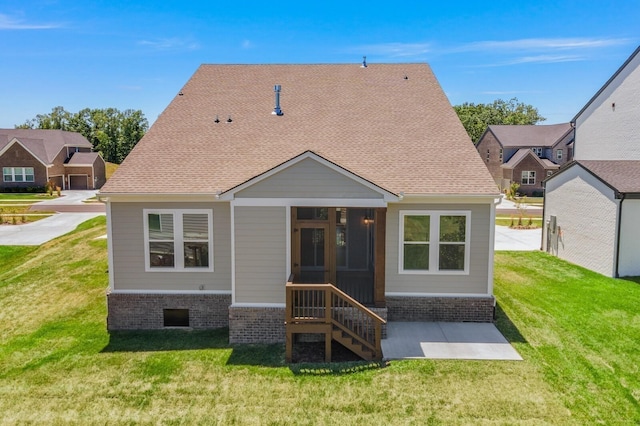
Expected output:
(630, 239)
(586, 212)
(128, 250)
(260, 254)
(308, 179)
(476, 282)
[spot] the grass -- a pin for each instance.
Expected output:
(110, 169)
(8, 197)
(17, 214)
(577, 331)
(506, 220)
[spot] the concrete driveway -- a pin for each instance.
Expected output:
(517, 239)
(446, 340)
(36, 233)
(43, 230)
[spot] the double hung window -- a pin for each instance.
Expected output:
(178, 240)
(434, 242)
(528, 177)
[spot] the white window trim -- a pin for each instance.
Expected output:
(434, 241)
(178, 239)
(538, 151)
(559, 154)
(23, 174)
(528, 177)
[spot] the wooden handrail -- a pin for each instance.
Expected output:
(326, 304)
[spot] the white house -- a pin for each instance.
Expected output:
(592, 205)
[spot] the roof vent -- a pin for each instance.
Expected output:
(364, 62)
(229, 120)
(277, 110)
(217, 120)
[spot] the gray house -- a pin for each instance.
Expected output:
(592, 205)
(263, 190)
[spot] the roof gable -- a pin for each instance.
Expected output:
(309, 176)
(37, 155)
(626, 68)
(44, 144)
(390, 124)
(523, 153)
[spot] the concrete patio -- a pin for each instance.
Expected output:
(446, 340)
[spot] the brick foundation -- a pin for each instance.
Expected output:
(145, 311)
(448, 309)
(256, 325)
(266, 325)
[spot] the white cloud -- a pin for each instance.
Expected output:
(542, 44)
(394, 50)
(169, 44)
(9, 23)
(246, 44)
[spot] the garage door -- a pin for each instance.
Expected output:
(78, 182)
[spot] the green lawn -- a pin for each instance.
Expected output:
(4, 197)
(507, 220)
(577, 332)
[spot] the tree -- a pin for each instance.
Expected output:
(112, 132)
(477, 117)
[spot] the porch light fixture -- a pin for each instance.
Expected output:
(368, 220)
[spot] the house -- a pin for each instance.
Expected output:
(33, 157)
(261, 184)
(525, 154)
(592, 205)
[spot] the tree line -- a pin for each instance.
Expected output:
(112, 132)
(477, 117)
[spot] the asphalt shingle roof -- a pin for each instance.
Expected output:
(623, 175)
(388, 123)
(82, 158)
(530, 135)
(43, 143)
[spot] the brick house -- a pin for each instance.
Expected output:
(525, 154)
(592, 204)
(33, 157)
(328, 189)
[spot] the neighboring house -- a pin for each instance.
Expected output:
(362, 176)
(525, 154)
(592, 205)
(33, 157)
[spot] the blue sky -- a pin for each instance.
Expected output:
(552, 54)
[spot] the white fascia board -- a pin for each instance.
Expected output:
(450, 198)
(257, 305)
(155, 197)
(176, 292)
(310, 202)
(448, 295)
